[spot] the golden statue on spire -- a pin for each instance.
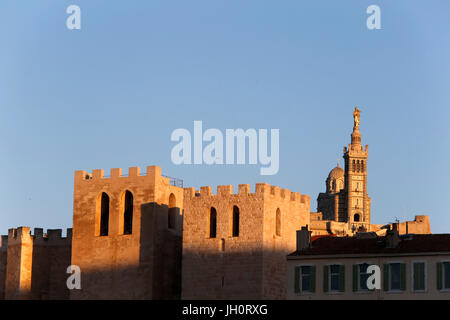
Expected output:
(356, 117)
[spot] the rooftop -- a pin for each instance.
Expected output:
(420, 243)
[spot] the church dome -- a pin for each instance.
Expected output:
(336, 173)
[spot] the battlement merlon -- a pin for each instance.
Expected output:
(205, 191)
(3, 242)
(262, 190)
(38, 232)
(189, 192)
(153, 173)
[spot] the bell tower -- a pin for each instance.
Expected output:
(357, 202)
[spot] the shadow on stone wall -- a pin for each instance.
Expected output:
(247, 274)
(157, 274)
(208, 273)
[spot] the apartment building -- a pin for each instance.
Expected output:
(410, 266)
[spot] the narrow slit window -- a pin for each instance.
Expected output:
(212, 223)
(104, 215)
(128, 213)
(235, 221)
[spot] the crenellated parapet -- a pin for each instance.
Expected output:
(286, 194)
(251, 232)
(28, 257)
(262, 191)
(23, 234)
(152, 174)
(19, 234)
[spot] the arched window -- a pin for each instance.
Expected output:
(278, 223)
(356, 217)
(128, 213)
(362, 165)
(212, 223)
(357, 166)
(172, 217)
(104, 214)
(235, 221)
(354, 166)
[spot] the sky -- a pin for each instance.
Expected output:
(110, 95)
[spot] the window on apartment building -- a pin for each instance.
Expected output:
(212, 223)
(334, 278)
(172, 216)
(394, 277)
(128, 213)
(104, 214)
(278, 222)
(305, 279)
(360, 277)
(418, 277)
(443, 275)
(235, 221)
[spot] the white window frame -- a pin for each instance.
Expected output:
(425, 275)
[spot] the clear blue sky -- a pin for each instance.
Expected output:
(110, 95)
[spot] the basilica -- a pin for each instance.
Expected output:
(344, 208)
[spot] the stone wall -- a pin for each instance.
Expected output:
(420, 225)
(51, 257)
(250, 265)
(18, 268)
(294, 209)
(145, 264)
(36, 264)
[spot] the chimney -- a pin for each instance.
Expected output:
(303, 239)
(392, 237)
